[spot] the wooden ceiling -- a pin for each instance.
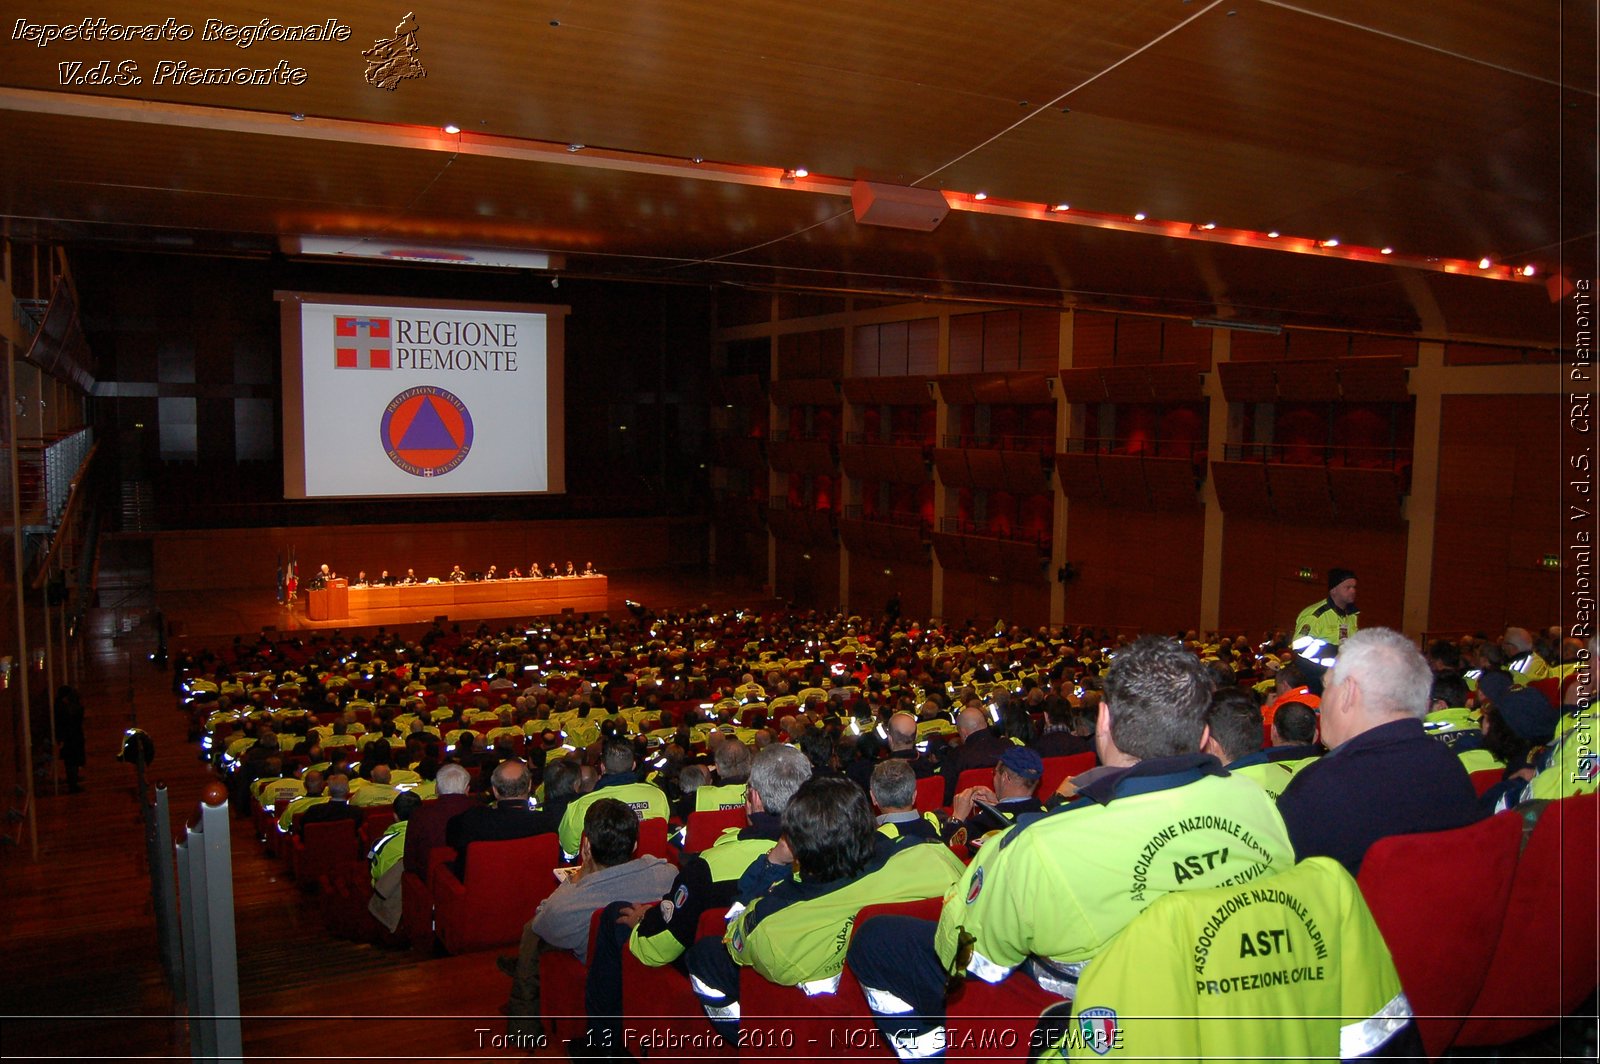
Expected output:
(1446, 130)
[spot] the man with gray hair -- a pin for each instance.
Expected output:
(1383, 775)
(894, 795)
(427, 827)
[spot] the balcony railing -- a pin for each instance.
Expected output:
(1303, 454)
(993, 442)
(900, 518)
(962, 526)
(896, 439)
(45, 468)
(1127, 445)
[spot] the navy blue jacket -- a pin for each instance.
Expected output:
(1390, 780)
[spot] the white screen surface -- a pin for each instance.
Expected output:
(408, 398)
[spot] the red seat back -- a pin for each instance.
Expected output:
(661, 1006)
(930, 793)
(505, 883)
(818, 1020)
(975, 777)
(1545, 959)
(1433, 896)
(1485, 778)
(707, 825)
(1057, 769)
(561, 983)
(326, 848)
(652, 838)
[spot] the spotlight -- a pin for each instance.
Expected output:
(452, 129)
(1484, 263)
(801, 171)
(576, 147)
(980, 196)
(1139, 217)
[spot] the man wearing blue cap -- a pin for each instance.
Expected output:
(1016, 776)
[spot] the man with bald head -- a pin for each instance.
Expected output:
(1382, 775)
(510, 817)
(901, 730)
(980, 748)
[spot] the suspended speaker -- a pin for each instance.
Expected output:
(898, 206)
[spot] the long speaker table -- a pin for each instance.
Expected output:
(525, 596)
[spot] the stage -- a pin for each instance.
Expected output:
(200, 618)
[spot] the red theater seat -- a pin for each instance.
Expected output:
(1433, 895)
(652, 838)
(1545, 959)
(1057, 769)
(706, 826)
(506, 881)
(561, 981)
(662, 1010)
(326, 849)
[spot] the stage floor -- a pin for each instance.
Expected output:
(196, 617)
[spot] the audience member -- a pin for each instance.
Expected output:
(1382, 774)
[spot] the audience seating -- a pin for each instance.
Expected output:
(652, 839)
(704, 827)
(1485, 778)
(1057, 769)
(975, 777)
(660, 1006)
(326, 849)
(506, 881)
(1433, 896)
(1544, 959)
(824, 1025)
(930, 793)
(561, 981)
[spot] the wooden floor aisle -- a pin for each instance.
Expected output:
(78, 942)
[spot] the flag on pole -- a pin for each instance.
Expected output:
(282, 576)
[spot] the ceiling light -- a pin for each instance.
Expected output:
(1139, 217)
(980, 196)
(576, 147)
(1062, 207)
(1273, 234)
(801, 171)
(298, 116)
(1209, 225)
(452, 129)
(1331, 242)
(1528, 270)
(1386, 251)
(1484, 263)
(698, 159)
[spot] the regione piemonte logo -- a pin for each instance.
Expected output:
(426, 431)
(361, 343)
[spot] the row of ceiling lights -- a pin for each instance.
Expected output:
(1249, 236)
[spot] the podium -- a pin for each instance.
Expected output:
(331, 603)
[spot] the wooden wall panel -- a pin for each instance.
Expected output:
(922, 342)
(1261, 557)
(870, 588)
(809, 583)
(248, 557)
(1497, 515)
(974, 597)
(1135, 567)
